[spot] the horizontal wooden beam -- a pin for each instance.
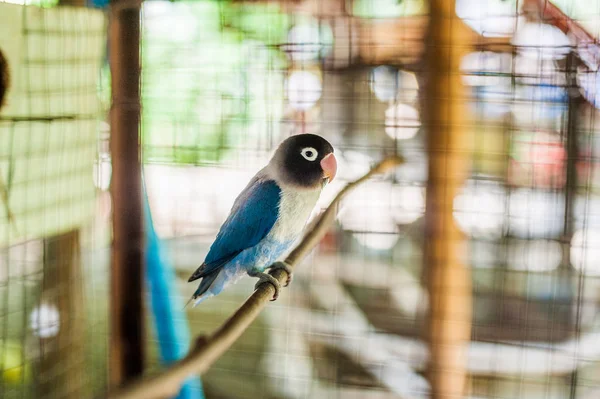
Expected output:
(400, 41)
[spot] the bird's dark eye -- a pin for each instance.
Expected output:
(309, 153)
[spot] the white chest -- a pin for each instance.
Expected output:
(294, 210)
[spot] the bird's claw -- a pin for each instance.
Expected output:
(283, 266)
(267, 278)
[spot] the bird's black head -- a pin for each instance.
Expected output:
(305, 161)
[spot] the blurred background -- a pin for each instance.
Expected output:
(223, 83)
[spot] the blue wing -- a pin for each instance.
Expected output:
(252, 217)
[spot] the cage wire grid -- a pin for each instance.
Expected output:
(522, 326)
(222, 84)
(48, 130)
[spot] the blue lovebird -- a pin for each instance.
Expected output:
(268, 216)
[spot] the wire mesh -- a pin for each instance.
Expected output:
(222, 84)
(48, 140)
(353, 322)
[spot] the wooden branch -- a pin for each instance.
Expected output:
(547, 12)
(400, 41)
(208, 349)
(587, 45)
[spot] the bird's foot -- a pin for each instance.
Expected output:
(266, 278)
(283, 266)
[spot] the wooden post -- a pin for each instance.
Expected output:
(4, 78)
(127, 269)
(74, 3)
(448, 277)
(62, 361)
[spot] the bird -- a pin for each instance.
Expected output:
(268, 216)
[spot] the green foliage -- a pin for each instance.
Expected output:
(388, 8)
(45, 3)
(209, 76)
(263, 22)
(38, 3)
(104, 89)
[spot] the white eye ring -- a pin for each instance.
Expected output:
(309, 153)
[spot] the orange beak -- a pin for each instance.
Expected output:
(329, 166)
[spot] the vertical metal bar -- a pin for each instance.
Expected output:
(448, 277)
(127, 269)
(572, 144)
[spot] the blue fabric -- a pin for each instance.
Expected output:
(170, 320)
(98, 3)
(252, 217)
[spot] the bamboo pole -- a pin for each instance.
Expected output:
(208, 349)
(448, 277)
(127, 269)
